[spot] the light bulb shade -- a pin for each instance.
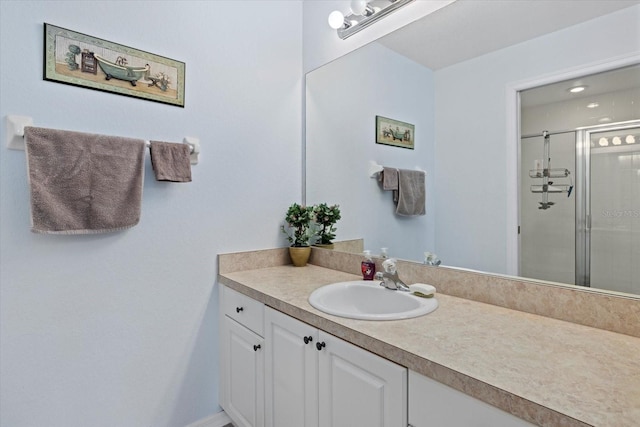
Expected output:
(358, 6)
(336, 19)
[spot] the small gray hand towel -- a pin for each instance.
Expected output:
(83, 183)
(411, 190)
(389, 178)
(171, 161)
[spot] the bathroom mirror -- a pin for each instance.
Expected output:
(459, 106)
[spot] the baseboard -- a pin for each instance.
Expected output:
(216, 420)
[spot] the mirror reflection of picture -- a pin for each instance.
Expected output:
(395, 132)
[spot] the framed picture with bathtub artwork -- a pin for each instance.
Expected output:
(82, 60)
(394, 132)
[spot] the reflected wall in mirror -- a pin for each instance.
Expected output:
(343, 100)
(460, 112)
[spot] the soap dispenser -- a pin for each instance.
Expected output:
(368, 266)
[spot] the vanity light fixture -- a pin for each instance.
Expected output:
(613, 141)
(337, 20)
(361, 7)
(362, 15)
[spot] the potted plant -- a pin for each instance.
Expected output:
(325, 218)
(297, 227)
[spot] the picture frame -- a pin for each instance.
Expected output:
(81, 60)
(395, 133)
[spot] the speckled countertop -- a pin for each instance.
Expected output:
(547, 371)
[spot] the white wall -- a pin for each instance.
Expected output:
(471, 179)
(121, 329)
(343, 100)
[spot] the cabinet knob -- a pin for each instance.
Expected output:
(308, 339)
(320, 345)
(256, 347)
(239, 309)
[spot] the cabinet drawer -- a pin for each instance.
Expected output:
(243, 309)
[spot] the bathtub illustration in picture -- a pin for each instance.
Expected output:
(121, 72)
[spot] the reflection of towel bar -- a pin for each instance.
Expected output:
(375, 169)
(15, 136)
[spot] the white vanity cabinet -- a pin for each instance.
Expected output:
(314, 379)
(291, 374)
(242, 358)
(432, 404)
(277, 371)
(358, 388)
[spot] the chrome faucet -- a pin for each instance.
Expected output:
(389, 277)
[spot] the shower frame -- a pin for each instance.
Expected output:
(583, 198)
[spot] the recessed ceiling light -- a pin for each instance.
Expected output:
(603, 142)
(630, 139)
(577, 89)
(616, 140)
(593, 105)
(604, 119)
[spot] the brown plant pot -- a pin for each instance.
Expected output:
(299, 255)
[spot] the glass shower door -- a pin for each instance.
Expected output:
(613, 208)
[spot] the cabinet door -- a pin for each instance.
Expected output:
(434, 404)
(358, 388)
(291, 372)
(242, 375)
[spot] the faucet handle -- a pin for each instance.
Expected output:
(378, 276)
(389, 265)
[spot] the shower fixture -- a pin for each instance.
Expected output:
(543, 170)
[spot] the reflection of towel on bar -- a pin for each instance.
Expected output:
(411, 193)
(408, 188)
(83, 183)
(389, 177)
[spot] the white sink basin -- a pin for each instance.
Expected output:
(366, 299)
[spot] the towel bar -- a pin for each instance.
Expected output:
(375, 169)
(15, 136)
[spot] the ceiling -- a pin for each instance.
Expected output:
(621, 79)
(466, 29)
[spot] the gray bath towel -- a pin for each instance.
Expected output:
(171, 161)
(83, 183)
(411, 193)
